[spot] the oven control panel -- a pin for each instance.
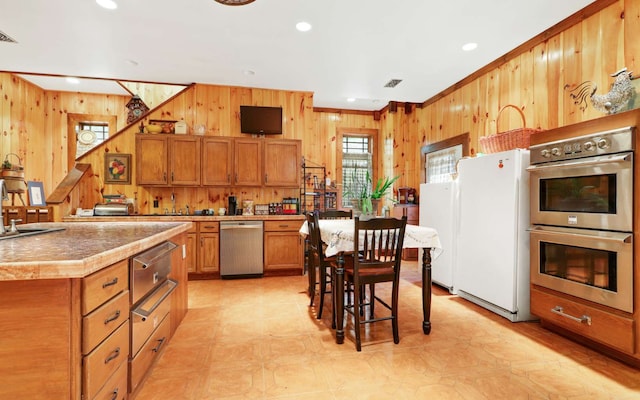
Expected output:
(609, 142)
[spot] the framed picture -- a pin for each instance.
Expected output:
(117, 168)
(36, 193)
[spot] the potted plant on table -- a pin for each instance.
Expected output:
(368, 195)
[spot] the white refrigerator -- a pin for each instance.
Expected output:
(492, 249)
(439, 210)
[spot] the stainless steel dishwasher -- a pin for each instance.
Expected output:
(241, 252)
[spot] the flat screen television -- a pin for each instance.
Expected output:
(261, 120)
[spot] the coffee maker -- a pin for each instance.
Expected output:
(231, 209)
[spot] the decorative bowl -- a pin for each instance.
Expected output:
(153, 128)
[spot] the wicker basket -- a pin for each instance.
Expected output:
(513, 139)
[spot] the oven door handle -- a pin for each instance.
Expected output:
(620, 237)
(583, 162)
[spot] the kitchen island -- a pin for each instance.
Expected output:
(54, 287)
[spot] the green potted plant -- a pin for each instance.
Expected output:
(367, 194)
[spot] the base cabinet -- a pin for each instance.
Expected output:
(613, 330)
(283, 247)
(203, 254)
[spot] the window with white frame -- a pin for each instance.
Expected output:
(357, 155)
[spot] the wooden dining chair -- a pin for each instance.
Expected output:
(325, 276)
(378, 244)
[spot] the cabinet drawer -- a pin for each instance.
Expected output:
(209, 227)
(282, 225)
(143, 360)
(101, 363)
(101, 322)
(100, 286)
(116, 386)
(613, 330)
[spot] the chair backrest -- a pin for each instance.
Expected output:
(379, 241)
(335, 214)
(315, 241)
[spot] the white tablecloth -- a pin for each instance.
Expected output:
(338, 235)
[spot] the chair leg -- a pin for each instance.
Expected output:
(312, 283)
(356, 314)
(323, 290)
(372, 301)
(394, 314)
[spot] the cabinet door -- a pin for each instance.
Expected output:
(209, 252)
(217, 161)
(282, 250)
(184, 160)
(282, 160)
(152, 154)
(247, 162)
(191, 252)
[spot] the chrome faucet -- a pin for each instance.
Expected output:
(173, 203)
(3, 196)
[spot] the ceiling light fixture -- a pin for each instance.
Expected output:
(108, 4)
(303, 26)
(234, 2)
(470, 46)
(351, 99)
(72, 80)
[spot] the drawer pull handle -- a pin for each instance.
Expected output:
(284, 225)
(111, 283)
(114, 354)
(209, 227)
(585, 319)
(115, 316)
(115, 394)
(161, 342)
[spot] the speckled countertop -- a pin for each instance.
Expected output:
(81, 248)
(194, 218)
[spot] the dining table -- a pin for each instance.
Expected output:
(338, 236)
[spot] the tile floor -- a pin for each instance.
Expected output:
(259, 339)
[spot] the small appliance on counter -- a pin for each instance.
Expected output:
(233, 203)
(112, 209)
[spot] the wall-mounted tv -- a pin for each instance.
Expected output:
(261, 120)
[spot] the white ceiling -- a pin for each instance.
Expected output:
(354, 48)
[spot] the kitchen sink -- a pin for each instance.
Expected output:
(25, 231)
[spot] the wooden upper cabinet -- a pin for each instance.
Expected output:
(152, 152)
(184, 160)
(163, 160)
(282, 159)
(247, 162)
(217, 161)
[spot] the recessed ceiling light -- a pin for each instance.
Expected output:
(248, 72)
(108, 4)
(351, 99)
(470, 46)
(303, 26)
(72, 80)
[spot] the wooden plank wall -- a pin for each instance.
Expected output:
(538, 81)
(33, 122)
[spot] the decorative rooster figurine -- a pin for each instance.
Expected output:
(621, 92)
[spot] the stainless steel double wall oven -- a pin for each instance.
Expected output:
(582, 212)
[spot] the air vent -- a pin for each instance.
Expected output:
(6, 38)
(393, 83)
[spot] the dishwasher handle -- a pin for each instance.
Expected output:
(230, 227)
